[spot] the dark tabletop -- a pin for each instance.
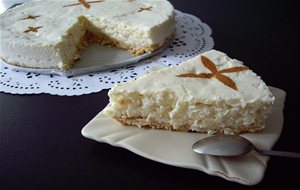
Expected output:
(41, 146)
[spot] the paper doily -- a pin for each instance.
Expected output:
(191, 38)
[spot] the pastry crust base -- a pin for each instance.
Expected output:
(140, 122)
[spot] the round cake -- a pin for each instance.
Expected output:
(51, 34)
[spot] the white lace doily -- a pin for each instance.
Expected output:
(191, 37)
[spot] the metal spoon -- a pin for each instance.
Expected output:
(232, 145)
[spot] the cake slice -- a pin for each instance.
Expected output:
(209, 93)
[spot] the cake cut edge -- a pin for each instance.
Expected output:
(123, 108)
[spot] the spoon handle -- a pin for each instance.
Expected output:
(279, 153)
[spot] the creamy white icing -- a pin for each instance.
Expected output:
(62, 27)
(250, 86)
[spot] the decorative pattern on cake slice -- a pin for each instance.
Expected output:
(215, 73)
(144, 9)
(32, 29)
(31, 17)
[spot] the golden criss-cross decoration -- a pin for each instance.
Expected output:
(85, 3)
(215, 73)
(144, 9)
(31, 17)
(32, 29)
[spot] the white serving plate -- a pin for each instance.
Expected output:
(168, 147)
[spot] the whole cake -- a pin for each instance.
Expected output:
(51, 33)
(209, 93)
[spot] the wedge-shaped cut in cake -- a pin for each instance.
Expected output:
(51, 34)
(209, 93)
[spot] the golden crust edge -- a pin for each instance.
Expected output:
(136, 121)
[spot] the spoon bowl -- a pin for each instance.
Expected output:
(233, 145)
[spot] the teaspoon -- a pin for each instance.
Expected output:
(232, 145)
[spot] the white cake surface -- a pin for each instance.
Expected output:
(191, 97)
(47, 34)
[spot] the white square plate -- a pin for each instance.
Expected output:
(169, 147)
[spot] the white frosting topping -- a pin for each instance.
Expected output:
(56, 19)
(251, 89)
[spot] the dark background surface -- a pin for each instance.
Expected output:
(41, 146)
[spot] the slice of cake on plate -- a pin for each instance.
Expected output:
(209, 93)
(51, 34)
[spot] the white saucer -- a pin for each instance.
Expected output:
(175, 148)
